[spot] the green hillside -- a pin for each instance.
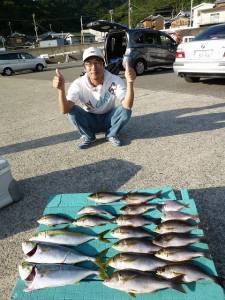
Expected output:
(64, 15)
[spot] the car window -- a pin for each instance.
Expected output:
(151, 38)
(139, 38)
(26, 55)
(211, 33)
(9, 56)
(165, 41)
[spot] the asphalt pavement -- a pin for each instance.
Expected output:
(173, 139)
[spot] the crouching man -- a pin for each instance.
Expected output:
(90, 100)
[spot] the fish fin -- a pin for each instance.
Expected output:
(102, 274)
(132, 294)
(99, 261)
(101, 236)
(157, 221)
(177, 283)
(159, 207)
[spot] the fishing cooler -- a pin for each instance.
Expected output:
(9, 190)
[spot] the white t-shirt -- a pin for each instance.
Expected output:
(100, 99)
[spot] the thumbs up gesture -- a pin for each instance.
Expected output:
(58, 80)
(130, 73)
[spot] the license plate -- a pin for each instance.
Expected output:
(203, 53)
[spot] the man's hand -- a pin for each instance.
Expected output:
(58, 80)
(130, 73)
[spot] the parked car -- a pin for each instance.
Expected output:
(11, 62)
(204, 56)
(187, 38)
(146, 48)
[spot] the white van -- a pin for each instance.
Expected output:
(11, 62)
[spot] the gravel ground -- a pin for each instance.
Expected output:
(172, 139)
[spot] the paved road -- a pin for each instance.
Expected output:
(158, 80)
(175, 137)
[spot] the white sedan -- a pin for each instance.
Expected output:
(202, 57)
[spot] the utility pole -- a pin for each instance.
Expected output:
(111, 14)
(82, 34)
(129, 14)
(191, 13)
(10, 27)
(35, 27)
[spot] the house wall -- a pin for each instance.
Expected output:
(213, 17)
(197, 13)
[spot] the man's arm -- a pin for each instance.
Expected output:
(59, 83)
(130, 76)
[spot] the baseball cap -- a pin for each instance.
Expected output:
(92, 52)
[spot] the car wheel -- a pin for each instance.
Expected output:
(7, 71)
(39, 67)
(139, 67)
(191, 79)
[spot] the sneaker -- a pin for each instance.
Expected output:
(85, 142)
(115, 141)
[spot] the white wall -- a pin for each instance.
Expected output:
(213, 17)
(197, 10)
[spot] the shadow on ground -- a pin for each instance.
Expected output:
(210, 204)
(106, 175)
(164, 123)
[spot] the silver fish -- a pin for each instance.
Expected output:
(176, 254)
(136, 282)
(90, 221)
(92, 210)
(105, 197)
(52, 254)
(173, 205)
(140, 197)
(190, 273)
(175, 226)
(64, 237)
(124, 232)
(135, 221)
(176, 240)
(136, 261)
(137, 245)
(137, 209)
(176, 215)
(54, 219)
(53, 276)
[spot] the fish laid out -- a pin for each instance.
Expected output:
(39, 277)
(173, 205)
(135, 221)
(105, 197)
(136, 261)
(147, 260)
(176, 215)
(93, 210)
(136, 245)
(176, 240)
(176, 254)
(84, 221)
(175, 226)
(65, 237)
(189, 271)
(137, 209)
(138, 197)
(52, 254)
(137, 282)
(54, 219)
(124, 232)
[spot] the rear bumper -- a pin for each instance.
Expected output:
(197, 69)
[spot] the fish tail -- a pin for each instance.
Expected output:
(159, 207)
(177, 283)
(102, 274)
(219, 280)
(101, 236)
